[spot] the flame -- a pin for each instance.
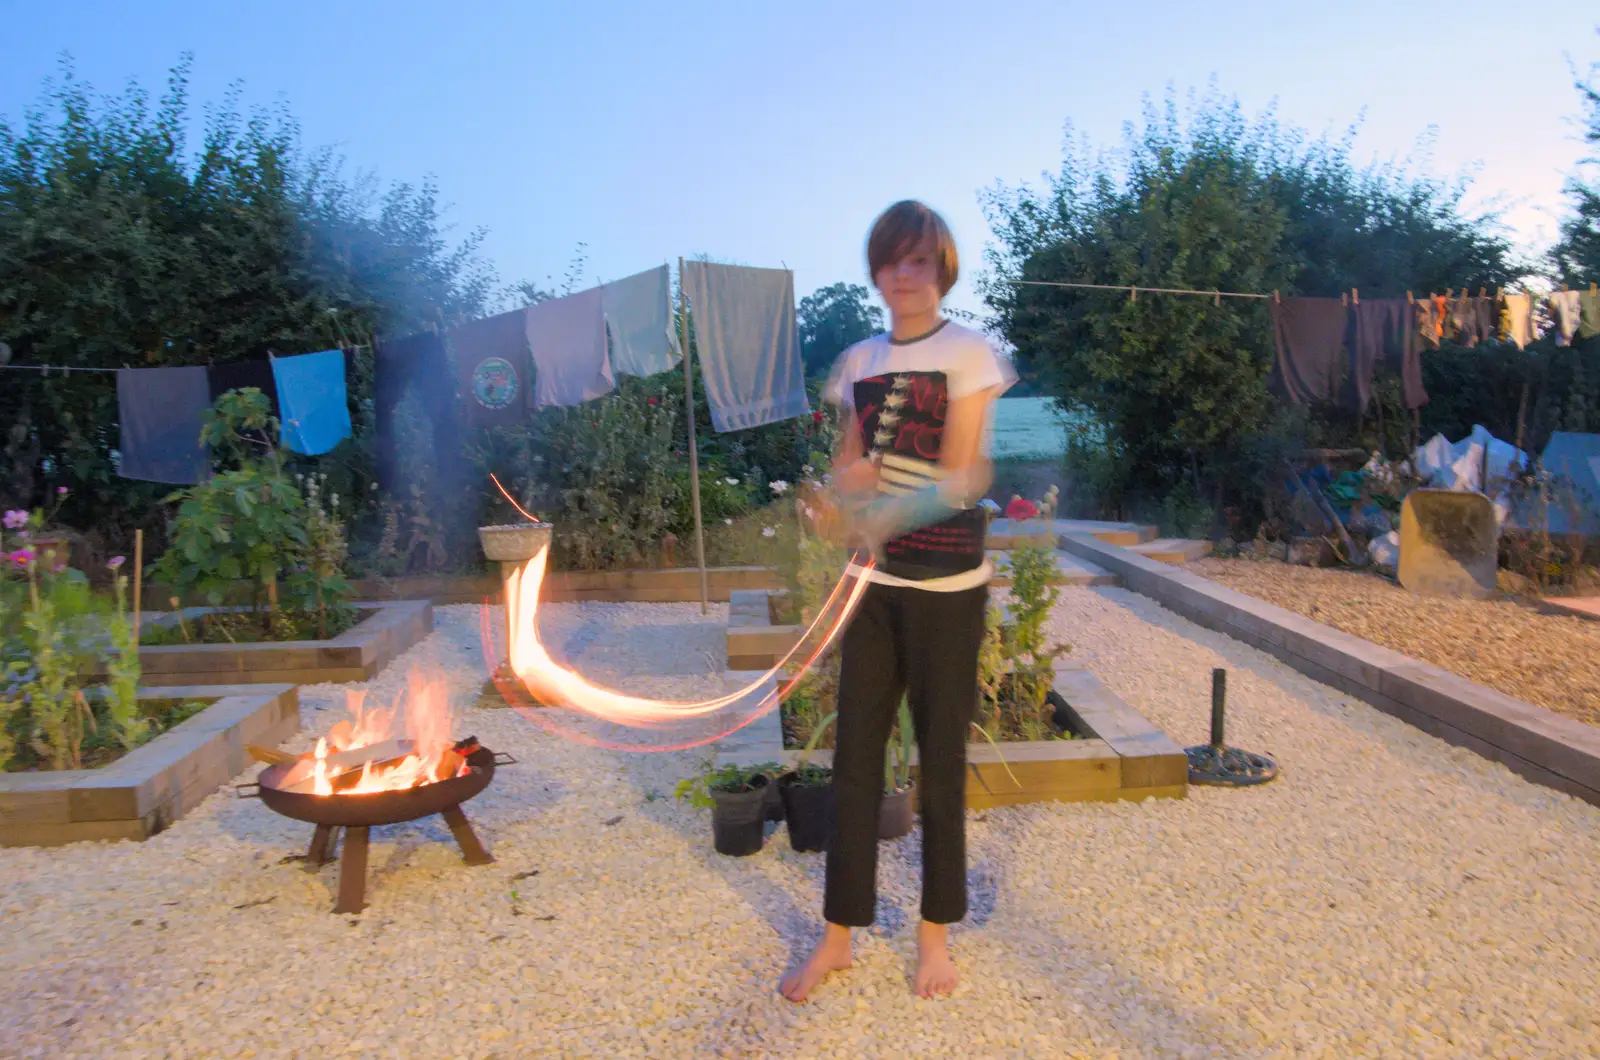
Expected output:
(552, 683)
(320, 771)
(421, 713)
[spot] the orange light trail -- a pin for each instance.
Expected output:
(549, 682)
(520, 509)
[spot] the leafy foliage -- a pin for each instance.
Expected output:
(1016, 663)
(697, 790)
(121, 245)
(251, 523)
(830, 320)
(1208, 202)
(51, 622)
(1576, 256)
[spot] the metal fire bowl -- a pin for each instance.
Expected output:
(378, 807)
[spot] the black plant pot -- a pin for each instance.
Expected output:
(773, 804)
(808, 811)
(738, 819)
(1060, 714)
(895, 813)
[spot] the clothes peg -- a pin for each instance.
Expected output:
(1275, 297)
(1216, 298)
(1133, 294)
(1344, 298)
(1482, 292)
(1410, 299)
(1355, 296)
(1594, 289)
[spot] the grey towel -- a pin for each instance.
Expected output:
(159, 413)
(1311, 334)
(745, 335)
(638, 312)
(568, 339)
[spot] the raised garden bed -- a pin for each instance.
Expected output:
(1542, 746)
(1117, 755)
(758, 636)
(384, 632)
(148, 788)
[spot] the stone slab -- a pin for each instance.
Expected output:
(1545, 747)
(1574, 606)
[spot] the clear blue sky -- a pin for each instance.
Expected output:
(768, 133)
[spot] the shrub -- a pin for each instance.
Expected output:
(50, 622)
(252, 524)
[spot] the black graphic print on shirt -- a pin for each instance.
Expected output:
(902, 418)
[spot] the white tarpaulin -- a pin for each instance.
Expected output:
(1459, 465)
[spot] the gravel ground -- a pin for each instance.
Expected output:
(1388, 896)
(1550, 660)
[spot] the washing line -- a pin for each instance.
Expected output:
(1134, 290)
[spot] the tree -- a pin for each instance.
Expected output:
(830, 320)
(119, 247)
(1576, 256)
(1212, 201)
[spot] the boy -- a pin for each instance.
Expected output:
(910, 470)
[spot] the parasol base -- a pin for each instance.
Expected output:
(1228, 766)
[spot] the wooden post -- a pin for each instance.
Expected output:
(694, 457)
(138, 581)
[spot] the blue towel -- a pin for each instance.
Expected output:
(311, 393)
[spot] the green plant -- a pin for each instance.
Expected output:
(897, 755)
(122, 669)
(50, 621)
(697, 790)
(251, 523)
(1016, 664)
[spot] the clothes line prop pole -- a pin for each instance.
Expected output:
(694, 458)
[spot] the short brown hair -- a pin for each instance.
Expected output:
(904, 227)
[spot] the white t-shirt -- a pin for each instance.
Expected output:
(950, 362)
(968, 360)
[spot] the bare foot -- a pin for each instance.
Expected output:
(831, 955)
(936, 972)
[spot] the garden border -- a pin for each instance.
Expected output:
(648, 585)
(1122, 755)
(151, 786)
(1538, 744)
(357, 654)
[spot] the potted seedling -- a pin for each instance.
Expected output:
(737, 797)
(807, 793)
(894, 813)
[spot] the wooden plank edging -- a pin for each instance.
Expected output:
(1121, 755)
(1541, 745)
(147, 789)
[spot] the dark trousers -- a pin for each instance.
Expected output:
(923, 645)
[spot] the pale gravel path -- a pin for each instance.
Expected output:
(1389, 896)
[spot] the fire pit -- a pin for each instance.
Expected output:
(360, 776)
(357, 813)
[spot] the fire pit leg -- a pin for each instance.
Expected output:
(322, 841)
(471, 849)
(353, 873)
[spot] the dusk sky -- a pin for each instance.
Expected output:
(771, 134)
